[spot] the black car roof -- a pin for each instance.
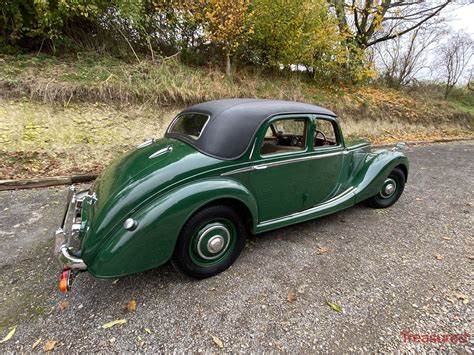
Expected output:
(234, 122)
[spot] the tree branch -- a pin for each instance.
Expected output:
(386, 38)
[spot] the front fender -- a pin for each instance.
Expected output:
(378, 166)
(152, 243)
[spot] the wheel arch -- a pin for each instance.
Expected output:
(237, 205)
(404, 169)
(375, 172)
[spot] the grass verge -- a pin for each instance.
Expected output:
(73, 115)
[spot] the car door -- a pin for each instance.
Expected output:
(280, 177)
(327, 162)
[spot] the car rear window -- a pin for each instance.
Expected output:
(189, 124)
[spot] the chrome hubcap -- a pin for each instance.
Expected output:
(215, 244)
(213, 240)
(389, 187)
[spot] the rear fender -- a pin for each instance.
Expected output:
(152, 243)
(378, 166)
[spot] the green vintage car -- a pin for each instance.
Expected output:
(224, 169)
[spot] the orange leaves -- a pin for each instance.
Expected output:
(132, 305)
(322, 249)
(63, 305)
(226, 21)
(291, 297)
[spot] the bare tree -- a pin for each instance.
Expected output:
(402, 58)
(454, 57)
(470, 82)
(375, 21)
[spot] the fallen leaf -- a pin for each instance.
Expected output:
(217, 341)
(49, 346)
(334, 306)
(114, 322)
(322, 249)
(63, 305)
(115, 281)
(291, 297)
(439, 257)
(446, 238)
(9, 335)
(35, 344)
(462, 297)
(148, 330)
(132, 305)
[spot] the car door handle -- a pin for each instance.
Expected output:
(260, 167)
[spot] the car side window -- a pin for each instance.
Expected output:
(285, 135)
(324, 134)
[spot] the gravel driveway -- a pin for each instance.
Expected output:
(408, 268)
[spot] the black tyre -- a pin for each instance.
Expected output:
(210, 242)
(390, 192)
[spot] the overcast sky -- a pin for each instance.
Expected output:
(462, 18)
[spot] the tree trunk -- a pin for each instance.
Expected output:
(228, 69)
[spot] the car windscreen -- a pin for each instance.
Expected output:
(189, 124)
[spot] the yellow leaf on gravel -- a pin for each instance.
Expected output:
(49, 346)
(322, 249)
(114, 322)
(35, 344)
(462, 297)
(217, 341)
(148, 330)
(439, 257)
(132, 305)
(291, 297)
(334, 306)
(446, 238)
(9, 335)
(63, 305)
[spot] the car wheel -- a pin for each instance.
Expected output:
(210, 242)
(390, 192)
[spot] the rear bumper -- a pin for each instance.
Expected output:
(70, 227)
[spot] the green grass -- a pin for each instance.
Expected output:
(57, 112)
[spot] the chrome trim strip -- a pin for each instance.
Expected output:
(146, 143)
(296, 160)
(161, 152)
(265, 165)
(345, 195)
(253, 147)
(238, 171)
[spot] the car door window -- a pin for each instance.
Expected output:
(324, 134)
(284, 135)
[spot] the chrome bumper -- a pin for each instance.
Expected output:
(70, 228)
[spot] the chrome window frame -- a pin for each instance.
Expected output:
(337, 133)
(174, 121)
(288, 116)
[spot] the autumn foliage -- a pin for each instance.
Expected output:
(301, 35)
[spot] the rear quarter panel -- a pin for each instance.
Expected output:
(159, 225)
